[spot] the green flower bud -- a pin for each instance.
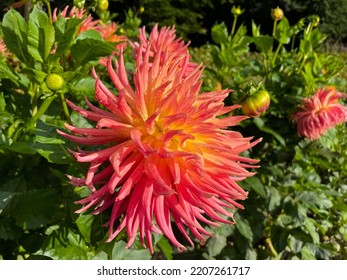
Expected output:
(315, 20)
(236, 11)
(79, 3)
(102, 5)
(54, 81)
(256, 104)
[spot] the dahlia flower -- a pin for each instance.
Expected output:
(3, 48)
(66, 13)
(320, 112)
(107, 30)
(161, 42)
(167, 155)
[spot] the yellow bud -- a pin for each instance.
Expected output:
(277, 14)
(54, 81)
(236, 11)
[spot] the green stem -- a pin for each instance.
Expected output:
(234, 26)
(274, 28)
(49, 10)
(34, 93)
(43, 108)
(302, 65)
(293, 42)
(276, 53)
(271, 247)
(65, 108)
(309, 29)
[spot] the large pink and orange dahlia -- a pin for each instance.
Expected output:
(168, 155)
(320, 112)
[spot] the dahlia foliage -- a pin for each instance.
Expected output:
(106, 30)
(320, 112)
(168, 157)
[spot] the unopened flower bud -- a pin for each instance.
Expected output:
(277, 14)
(54, 81)
(236, 11)
(256, 104)
(79, 3)
(102, 5)
(315, 20)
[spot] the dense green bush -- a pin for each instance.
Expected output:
(297, 201)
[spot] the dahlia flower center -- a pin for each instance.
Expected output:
(163, 134)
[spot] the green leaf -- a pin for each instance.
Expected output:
(256, 185)
(66, 245)
(26, 147)
(166, 247)
(120, 252)
(15, 30)
(7, 73)
(219, 33)
(283, 32)
(243, 227)
(50, 144)
(100, 256)
(343, 232)
(84, 87)
(309, 225)
(275, 198)
(84, 224)
(255, 29)
(5, 198)
(66, 30)
(313, 199)
(2, 103)
(38, 75)
(8, 231)
(41, 35)
(279, 238)
(264, 43)
(316, 37)
(305, 47)
(261, 125)
(90, 34)
(89, 49)
(34, 209)
(306, 254)
(216, 244)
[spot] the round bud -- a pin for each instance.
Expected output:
(54, 81)
(277, 14)
(102, 5)
(256, 104)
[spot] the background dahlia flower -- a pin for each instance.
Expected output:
(167, 157)
(106, 30)
(3, 49)
(320, 112)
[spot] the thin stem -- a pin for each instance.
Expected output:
(34, 91)
(234, 26)
(65, 108)
(49, 11)
(309, 29)
(293, 42)
(302, 64)
(274, 28)
(276, 53)
(271, 247)
(43, 108)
